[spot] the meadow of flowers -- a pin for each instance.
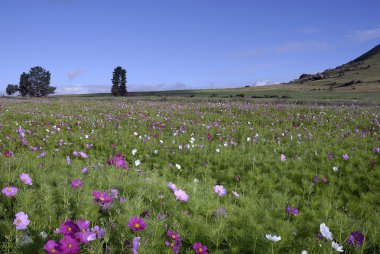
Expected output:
(120, 175)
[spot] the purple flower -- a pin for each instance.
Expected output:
(135, 244)
(68, 228)
(84, 235)
(219, 189)
(181, 195)
(376, 150)
(52, 247)
(137, 224)
(200, 248)
(68, 160)
(345, 157)
(174, 236)
(8, 154)
(282, 157)
(325, 180)
(172, 186)
(10, 191)
(235, 194)
(84, 170)
(329, 155)
(75, 153)
(43, 154)
(69, 245)
(98, 231)
(356, 238)
(315, 179)
(77, 183)
(21, 220)
(102, 198)
(292, 211)
(83, 155)
(25, 178)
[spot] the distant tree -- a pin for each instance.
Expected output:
(24, 85)
(119, 82)
(36, 83)
(11, 89)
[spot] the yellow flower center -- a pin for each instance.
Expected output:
(52, 250)
(19, 221)
(200, 250)
(9, 189)
(137, 225)
(101, 198)
(83, 230)
(69, 229)
(70, 245)
(173, 236)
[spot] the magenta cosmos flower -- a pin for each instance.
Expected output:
(8, 154)
(25, 178)
(10, 191)
(69, 228)
(220, 190)
(21, 220)
(103, 199)
(174, 235)
(137, 224)
(172, 186)
(345, 157)
(181, 195)
(356, 238)
(119, 161)
(69, 245)
(84, 235)
(52, 247)
(77, 183)
(292, 211)
(200, 248)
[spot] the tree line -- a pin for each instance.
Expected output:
(36, 83)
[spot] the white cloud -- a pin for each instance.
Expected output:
(366, 35)
(82, 89)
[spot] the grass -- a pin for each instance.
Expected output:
(236, 144)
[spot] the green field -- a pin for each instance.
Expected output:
(322, 160)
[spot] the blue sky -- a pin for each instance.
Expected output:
(181, 44)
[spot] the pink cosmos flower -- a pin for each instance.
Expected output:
(181, 195)
(235, 194)
(172, 186)
(77, 183)
(283, 158)
(21, 220)
(52, 247)
(10, 191)
(136, 244)
(8, 154)
(69, 228)
(25, 178)
(200, 248)
(83, 155)
(219, 189)
(69, 245)
(137, 224)
(84, 235)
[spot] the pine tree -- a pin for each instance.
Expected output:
(24, 86)
(11, 89)
(39, 79)
(119, 82)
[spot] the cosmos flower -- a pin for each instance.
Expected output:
(69, 228)
(336, 246)
(21, 221)
(77, 183)
(282, 157)
(69, 245)
(135, 244)
(137, 224)
(103, 199)
(83, 155)
(329, 155)
(200, 248)
(325, 231)
(292, 211)
(174, 236)
(98, 231)
(52, 247)
(273, 238)
(178, 166)
(335, 169)
(84, 235)
(8, 154)
(181, 195)
(25, 178)
(10, 191)
(235, 194)
(68, 160)
(172, 186)
(137, 163)
(134, 151)
(356, 238)
(219, 189)
(345, 157)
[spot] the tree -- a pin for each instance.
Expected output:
(11, 89)
(119, 82)
(24, 85)
(36, 83)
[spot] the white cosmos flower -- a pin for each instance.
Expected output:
(337, 247)
(248, 139)
(335, 169)
(325, 231)
(155, 151)
(134, 151)
(217, 150)
(135, 133)
(273, 238)
(178, 166)
(304, 252)
(137, 163)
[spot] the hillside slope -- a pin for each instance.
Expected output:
(361, 74)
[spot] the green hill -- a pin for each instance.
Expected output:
(361, 74)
